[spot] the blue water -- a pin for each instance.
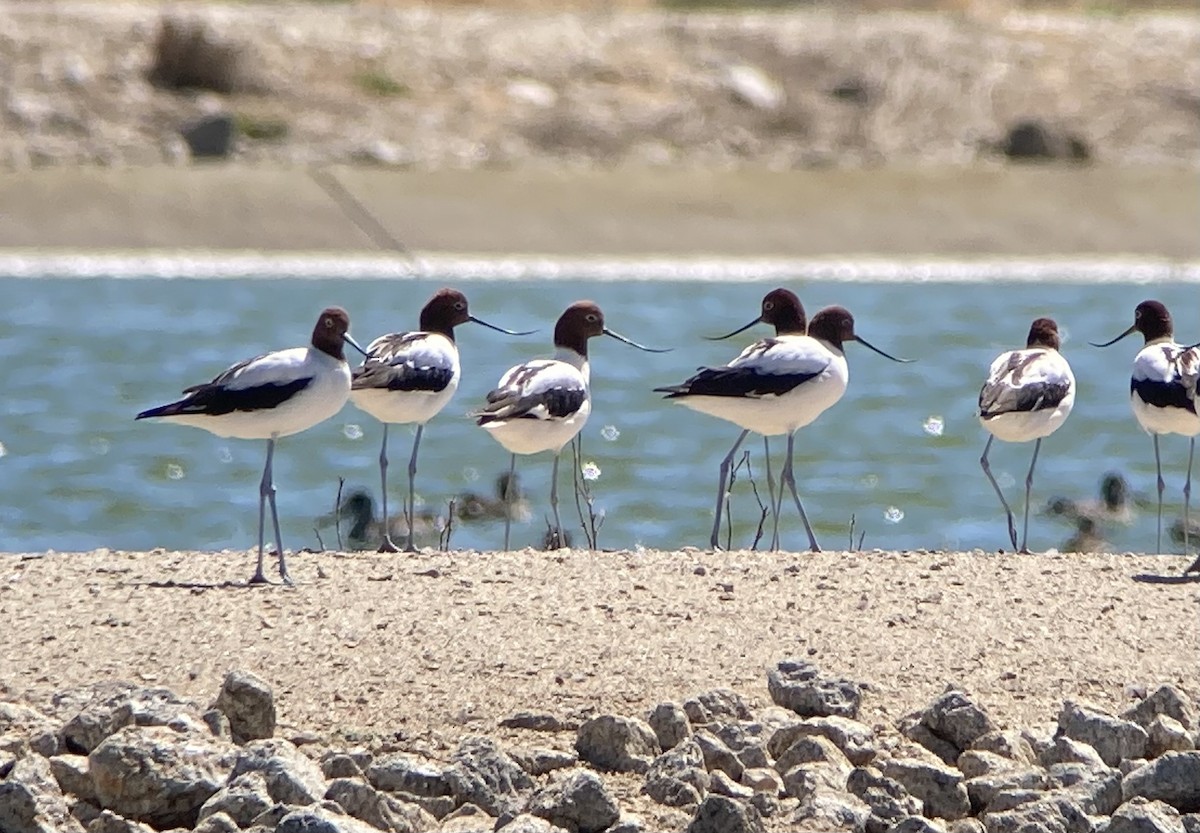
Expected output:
(80, 357)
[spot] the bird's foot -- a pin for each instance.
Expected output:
(258, 578)
(388, 546)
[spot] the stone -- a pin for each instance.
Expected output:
(31, 800)
(914, 728)
(954, 717)
(1098, 791)
(217, 723)
(210, 137)
(1053, 814)
(319, 819)
(886, 798)
(340, 765)
(1168, 700)
(1166, 734)
(378, 809)
(619, 744)
(745, 740)
(940, 789)
(718, 756)
(796, 685)
(109, 822)
(486, 776)
(104, 708)
(1064, 750)
(216, 823)
(916, 824)
(1173, 778)
(1032, 139)
(718, 704)
(722, 784)
(813, 749)
(753, 87)
(243, 799)
(73, 776)
(670, 725)
(827, 810)
(1144, 816)
(983, 789)
(1007, 743)
(525, 823)
(1112, 738)
(534, 722)
(401, 773)
(720, 814)
(159, 776)
(579, 803)
(677, 777)
(855, 740)
(291, 776)
(1191, 822)
(628, 824)
(249, 704)
(762, 779)
(974, 762)
(542, 761)
(803, 780)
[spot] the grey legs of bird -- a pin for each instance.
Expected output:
(789, 480)
(266, 493)
(983, 461)
(1161, 485)
(512, 469)
(387, 545)
(722, 484)
(1028, 488)
(554, 500)
(771, 493)
(410, 511)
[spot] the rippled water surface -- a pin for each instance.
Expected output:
(899, 453)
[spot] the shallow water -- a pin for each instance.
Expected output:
(80, 357)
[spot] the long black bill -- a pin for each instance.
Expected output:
(620, 337)
(870, 346)
(500, 329)
(1132, 329)
(735, 332)
(353, 343)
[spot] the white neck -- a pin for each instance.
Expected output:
(568, 356)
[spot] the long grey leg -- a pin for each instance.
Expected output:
(386, 545)
(411, 511)
(771, 493)
(1028, 488)
(983, 461)
(512, 469)
(715, 539)
(790, 480)
(264, 486)
(554, 499)
(269, 476)
(1161, 486)
(1187, 495)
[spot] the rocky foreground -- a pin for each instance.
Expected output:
(431, 87)
(113, 757)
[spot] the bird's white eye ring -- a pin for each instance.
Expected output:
(329, 322)
(459, 305)
(769, 305)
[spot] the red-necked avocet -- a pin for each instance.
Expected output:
(1028, 394)
(409, 378)
(1162, 391)
(542, 404)
(272, 396)
(779, 385)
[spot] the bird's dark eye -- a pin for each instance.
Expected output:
(459, 305)
(329, 322)
(592, 317)
(768, 306)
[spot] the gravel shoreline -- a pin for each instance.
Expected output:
(549, 664)
(458, 88)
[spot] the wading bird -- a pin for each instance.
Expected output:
(1028, 394)
(1162, 392)
(409, 378)
(272, 396)
(542, 404)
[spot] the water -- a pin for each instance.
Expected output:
(899, 453)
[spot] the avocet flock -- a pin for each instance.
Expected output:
(775, 386)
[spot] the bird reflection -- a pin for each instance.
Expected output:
(1091, 517)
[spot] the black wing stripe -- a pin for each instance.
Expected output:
(1159, 394)
(736, 381)
(401, 378)
(217, 400)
